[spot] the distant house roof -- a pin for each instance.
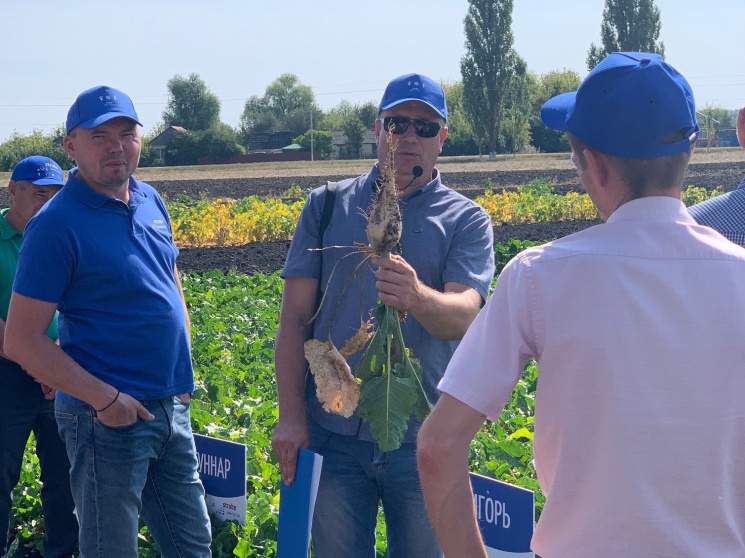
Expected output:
(163, 139)
(269, 140)
(292, 147)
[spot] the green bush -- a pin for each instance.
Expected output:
(19, 147)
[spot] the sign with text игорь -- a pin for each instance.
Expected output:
(506, 516)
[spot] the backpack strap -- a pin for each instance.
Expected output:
(329, 198)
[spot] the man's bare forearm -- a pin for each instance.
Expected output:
(295, 328)
(447, 315)
(43, 359)
(290, 367)
(27, 344)
(442, 459)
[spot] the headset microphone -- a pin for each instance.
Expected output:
(417, 171)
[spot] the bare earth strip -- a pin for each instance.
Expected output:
(548, 161)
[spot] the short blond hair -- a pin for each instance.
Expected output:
(643, 177)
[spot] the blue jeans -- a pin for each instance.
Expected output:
(356, 476)
(148, 468)
(23, 410)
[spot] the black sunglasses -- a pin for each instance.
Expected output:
(399, 125)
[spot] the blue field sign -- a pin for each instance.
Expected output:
(506, 516)
(222, 468)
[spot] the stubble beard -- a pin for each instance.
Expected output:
(116, 177)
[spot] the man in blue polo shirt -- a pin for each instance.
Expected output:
(103, 254)
(25, 405)
(440, 278)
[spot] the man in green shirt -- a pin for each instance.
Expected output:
(26, 406)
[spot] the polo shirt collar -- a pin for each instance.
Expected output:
(653, 208)
(431, 185)
(90, 197)
(6, 231)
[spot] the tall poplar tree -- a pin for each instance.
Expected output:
(628, 26)
(489, 68)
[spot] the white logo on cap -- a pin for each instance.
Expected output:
(47, 168)
(416, 84)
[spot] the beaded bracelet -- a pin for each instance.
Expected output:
(110, 404)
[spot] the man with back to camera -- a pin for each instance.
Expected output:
(25, 405)
(726, 213)
(440, 278)
(103, 253)
(637, 326)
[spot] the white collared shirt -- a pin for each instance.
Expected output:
(638, 326)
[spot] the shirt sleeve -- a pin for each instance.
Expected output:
(470, 260)
(46, 260)
(304, 257)
(492, 355)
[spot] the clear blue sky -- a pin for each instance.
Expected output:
(344, 49)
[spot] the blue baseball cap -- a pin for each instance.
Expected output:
(632, 105)
(414, 87)
(97, 106)
(38, 170)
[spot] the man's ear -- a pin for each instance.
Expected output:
(443, 136)
(598, 165)
(12, 189)
(69, 145)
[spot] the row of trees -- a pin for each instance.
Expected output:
(287, 105)
(502, 98)
(494, 109)
(20, 146)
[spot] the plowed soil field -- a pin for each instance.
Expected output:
(722, 167)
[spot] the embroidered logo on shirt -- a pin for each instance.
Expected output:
(160, 224)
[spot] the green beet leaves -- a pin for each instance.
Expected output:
(391, 389)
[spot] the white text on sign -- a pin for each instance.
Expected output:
(491, 510)
(213, 466)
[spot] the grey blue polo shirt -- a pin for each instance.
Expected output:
(446, 238)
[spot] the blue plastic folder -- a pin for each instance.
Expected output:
(296, 505)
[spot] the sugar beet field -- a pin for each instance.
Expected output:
(233, 291)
